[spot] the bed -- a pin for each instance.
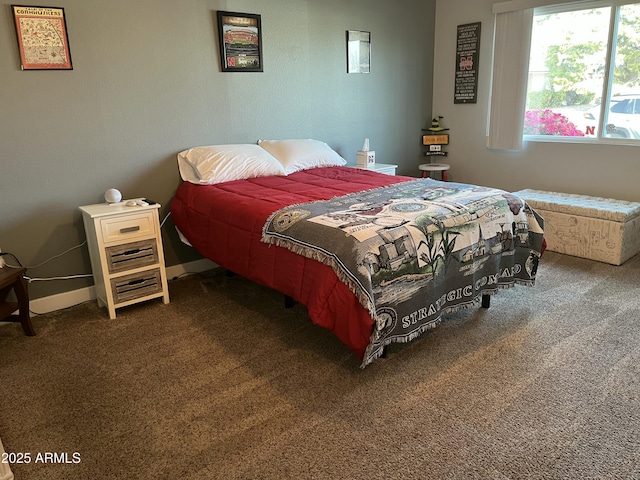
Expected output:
(426, 247)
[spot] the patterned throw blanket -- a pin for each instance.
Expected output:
(415, 250)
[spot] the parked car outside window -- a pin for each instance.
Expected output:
(623, 118)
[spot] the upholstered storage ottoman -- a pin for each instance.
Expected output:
(597, 228)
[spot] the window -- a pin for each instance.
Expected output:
(584, 71)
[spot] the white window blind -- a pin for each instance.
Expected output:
(512, 38)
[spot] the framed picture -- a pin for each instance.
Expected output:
(358, 51)
(42, 38)
(240, 37)
(467, 61)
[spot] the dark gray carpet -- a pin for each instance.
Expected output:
(223, 383)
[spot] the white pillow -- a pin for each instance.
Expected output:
(298, 155)
(224, 163)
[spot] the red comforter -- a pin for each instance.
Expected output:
(224, 223)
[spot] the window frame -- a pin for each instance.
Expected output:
(511, 52)
(607, 83)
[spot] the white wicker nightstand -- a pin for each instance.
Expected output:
(126, 253)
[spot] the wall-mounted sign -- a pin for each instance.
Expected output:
(467, 61)
(441, 139)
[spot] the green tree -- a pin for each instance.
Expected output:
(627, 68)
(567, 66)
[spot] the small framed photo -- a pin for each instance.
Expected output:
(240, 38)
(358, 51)
(42, 38)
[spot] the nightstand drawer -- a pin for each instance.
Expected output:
(131, 255)
(124, 227)
(130, 287)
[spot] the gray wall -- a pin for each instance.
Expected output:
(146, 84)
(601, 170)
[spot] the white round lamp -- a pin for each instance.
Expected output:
(112, 195)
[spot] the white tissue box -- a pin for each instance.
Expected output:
(365, 158)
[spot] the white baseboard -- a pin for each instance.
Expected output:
(68, 299)
(61, 300)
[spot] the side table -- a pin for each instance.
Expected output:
(125, 248)
(434, 167)
(12, 279)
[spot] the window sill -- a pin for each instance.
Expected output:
(630, 142)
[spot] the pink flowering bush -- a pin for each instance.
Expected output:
(547, 122)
